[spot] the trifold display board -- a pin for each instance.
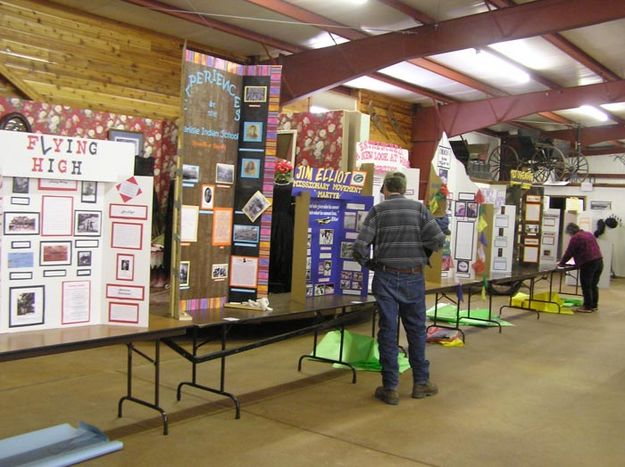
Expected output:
(329, 212)
(76, 227)
(223, 223)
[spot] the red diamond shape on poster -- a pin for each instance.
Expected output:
(128, 189)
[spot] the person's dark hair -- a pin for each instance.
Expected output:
(572, 228)
(395, 182)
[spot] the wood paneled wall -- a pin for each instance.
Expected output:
(391, 120)
(54, 54)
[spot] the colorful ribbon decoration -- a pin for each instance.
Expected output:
(437, 198)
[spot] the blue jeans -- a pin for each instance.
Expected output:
(403, 295)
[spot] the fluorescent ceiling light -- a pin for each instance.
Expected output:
(593, 112)
(325, 39)
(492, 62)
(317, 109)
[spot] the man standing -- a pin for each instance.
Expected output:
(399, 230)
(584, 249)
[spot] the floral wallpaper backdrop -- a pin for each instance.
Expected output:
(319, 137)
(160, 136)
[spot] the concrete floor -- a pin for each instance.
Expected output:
(545, 392)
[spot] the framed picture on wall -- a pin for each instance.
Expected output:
(26, 306)
(255, 94)
(133, 137)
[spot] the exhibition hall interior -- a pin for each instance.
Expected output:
(186, 186)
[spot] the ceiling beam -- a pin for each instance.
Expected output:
(20, 84)
(206, 21)
(590, 135)
(463, 117)
(315, 70)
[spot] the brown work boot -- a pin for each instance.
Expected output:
(388, 396)
(583, 309)
(419, 391)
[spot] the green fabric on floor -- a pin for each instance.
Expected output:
(359, 350)
(447, 312)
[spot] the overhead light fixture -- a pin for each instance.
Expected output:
(317, 109)
(357, 2)
(593, 112)
(504, 67)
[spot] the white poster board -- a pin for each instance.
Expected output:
(59, 250)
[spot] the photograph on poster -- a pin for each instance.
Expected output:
(346, 275)
(21, 223)
(309, 290)
(83, 258)
(224, 173)
(76, 302)
(184, 273)
(346, 249)
(349, 220)
(255, 94)
(532, 229)
(26, 306)
(460, 209)
(246, 233)
(55, 184)
(362, 215)
(325, 268)
(125, 267)
(252, 132)
(16, 260)
(472, 209)
(133, 137)
(56, 215)
(243, 271)
(123, 312)
(255, 206)
(127, 235)
(345, 284)
(308, 239)
(57, 253)
(21, 185)
(444, 175)
(222, 227)
(462, 266)
(328, 289)
(219, 271)
(20, 200)
(208, 196)
(326, 237)
(358, 276)
(320, 289)
(87, 223)
(88, 191)
(190, 173)
(250, 168)
(188, 223)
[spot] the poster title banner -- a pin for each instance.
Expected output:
(385, 157)
(328, 183)
(64, 157)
